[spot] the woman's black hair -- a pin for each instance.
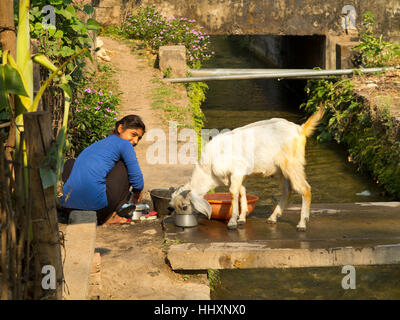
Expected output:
(130, 122)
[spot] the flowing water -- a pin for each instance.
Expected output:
(231, 104)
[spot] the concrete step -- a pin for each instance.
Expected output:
(222, 255)
(80, 239)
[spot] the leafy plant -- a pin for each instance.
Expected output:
(95, 114)
(337, 97)
(67, 37)
(374, 51)
(197, 95)
(17, 78)
(372, 137)
(149, 25)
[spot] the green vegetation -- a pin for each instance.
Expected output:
(149, 25)
(213, 278)
(113, 31)
(370, 134)
(374, 51)
(17, 78)
(94, 117)
(93, 105)
(94, 110)
(197, 95)
(69, 36)
(164, 97)
(167, 243)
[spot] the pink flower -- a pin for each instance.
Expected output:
(78, 110)
(100, 102)
(100, 93)
(86, 108)
(88, 90)
(115, 118)
(97, 108)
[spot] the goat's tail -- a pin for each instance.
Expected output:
(309, 126)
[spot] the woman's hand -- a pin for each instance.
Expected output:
(137, 197)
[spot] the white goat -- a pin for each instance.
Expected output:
(274, 146)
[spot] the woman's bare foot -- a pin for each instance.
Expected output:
(116, 219)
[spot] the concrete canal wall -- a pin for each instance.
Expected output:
(331, 21)
(267, 17)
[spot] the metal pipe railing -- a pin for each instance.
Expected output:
(226, 72)
(309, 74)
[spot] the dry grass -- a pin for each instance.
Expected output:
(383, 90)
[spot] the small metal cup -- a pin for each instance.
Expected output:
(185, 220)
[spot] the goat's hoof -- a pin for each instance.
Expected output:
(241, 222)
(301, 229)
(232, 226)
(271, 221)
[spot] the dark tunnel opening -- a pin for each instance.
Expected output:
(286, 52)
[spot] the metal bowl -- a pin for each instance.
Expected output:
(185, 220)
(140, 210)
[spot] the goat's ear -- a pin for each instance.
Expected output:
(184, 193)
(201, 205)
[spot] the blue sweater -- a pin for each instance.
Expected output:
(85, 188)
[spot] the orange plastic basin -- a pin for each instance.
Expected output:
(221, 204)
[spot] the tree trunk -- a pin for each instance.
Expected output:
(46, 240)
(8, 41)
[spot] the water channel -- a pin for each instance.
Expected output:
(231, 104)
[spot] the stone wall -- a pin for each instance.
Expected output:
(271, 17)
(281, 17)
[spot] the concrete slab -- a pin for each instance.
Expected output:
(220, 255)
(173, 57)
(80, 238)
(357, 233)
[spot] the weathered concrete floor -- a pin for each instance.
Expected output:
(363, 225)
